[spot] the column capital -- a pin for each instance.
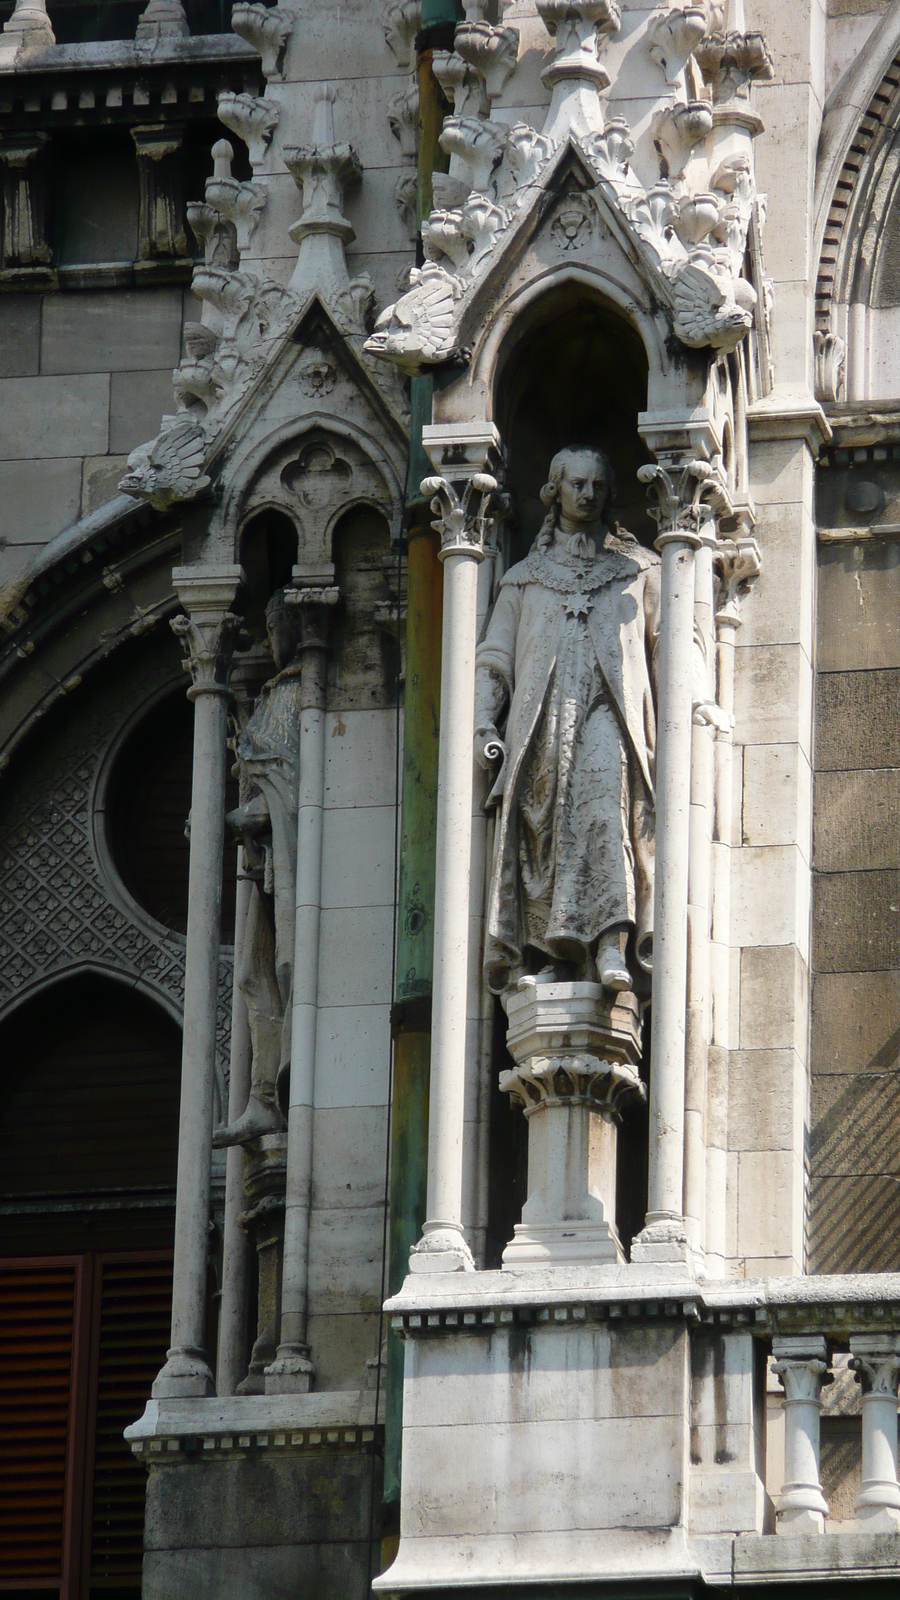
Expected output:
(313, 609)
(801, 1363)
(875, 1359)
(690, 494)
(466, 457)
(736, 562)
(209, 628)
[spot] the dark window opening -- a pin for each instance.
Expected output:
(147, 808)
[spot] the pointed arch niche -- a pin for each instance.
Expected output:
(572, 371)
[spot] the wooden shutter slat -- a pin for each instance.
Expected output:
(37, 1329)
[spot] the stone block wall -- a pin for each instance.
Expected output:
(84, 377)
(855, 1044)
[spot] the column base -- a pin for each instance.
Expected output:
(801, 1520)
(663, 1240)
(185, 1376)
(442, 1248)
(564, 1243)
(291, 1372)
(877, 1508)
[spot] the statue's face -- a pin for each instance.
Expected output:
(583, 488)
(281, 638)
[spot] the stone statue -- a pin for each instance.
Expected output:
(268, 770)
(568, 659)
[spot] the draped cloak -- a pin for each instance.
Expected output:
(569, 654)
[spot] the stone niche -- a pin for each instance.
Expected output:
(572, 371)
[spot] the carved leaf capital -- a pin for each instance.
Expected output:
(210, 640)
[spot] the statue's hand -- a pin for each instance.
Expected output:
(489, 748)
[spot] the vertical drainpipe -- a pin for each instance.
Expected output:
(411, 1015)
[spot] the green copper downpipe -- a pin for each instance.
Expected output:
(411, 1019)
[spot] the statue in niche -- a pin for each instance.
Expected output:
(268, 771)
(568, 660)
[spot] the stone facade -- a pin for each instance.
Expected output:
(499, 401)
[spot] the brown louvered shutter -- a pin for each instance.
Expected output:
(38, 1319)
(133, 1298)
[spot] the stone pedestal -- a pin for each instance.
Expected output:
(576, 1048)
(265, 1165)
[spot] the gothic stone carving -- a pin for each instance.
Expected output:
(567, 660)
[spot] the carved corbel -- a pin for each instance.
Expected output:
(401, 21)
(476, 147)
(25, 246)
(730, 62)
(673, 36)
(403, 118)
(267, 29)
(162, 19)
(240, 203)
(736, 563)
(160, 165)
(405, 199)
(830, 354)
(252, 118)
(463, 86)
(491, 52)
(677, 130)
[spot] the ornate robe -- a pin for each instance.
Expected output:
(569, 650)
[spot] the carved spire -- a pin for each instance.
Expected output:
(240, 203)
(321, 172)
(162, 19)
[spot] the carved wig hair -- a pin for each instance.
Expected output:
(579, 544)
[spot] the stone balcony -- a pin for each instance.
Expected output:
(612, 1422)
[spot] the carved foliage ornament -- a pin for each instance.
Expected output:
(462, 520)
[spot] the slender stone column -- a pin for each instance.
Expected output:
(737, 563)
(209, 631)
(460, 503)
(685, 507)
(236, 1245)
(292, 1370)
(802, 1364)
(876, 1361)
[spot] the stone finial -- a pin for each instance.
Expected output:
(267, 29)
(28, 28)
(576, 75)
(162, 19)
(253, 118)
(239, 203)
(321, 172)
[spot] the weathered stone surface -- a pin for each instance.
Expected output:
(856, 921)
(773, 990)
(859, 607)
(857, 720)
(857, 820)
(137, 400)
(111, 331)
(765, 1097)
(855, 1124)
(53, 417)
(854, 1224)
(20, 335)
(37, 499)
(855, 1022)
